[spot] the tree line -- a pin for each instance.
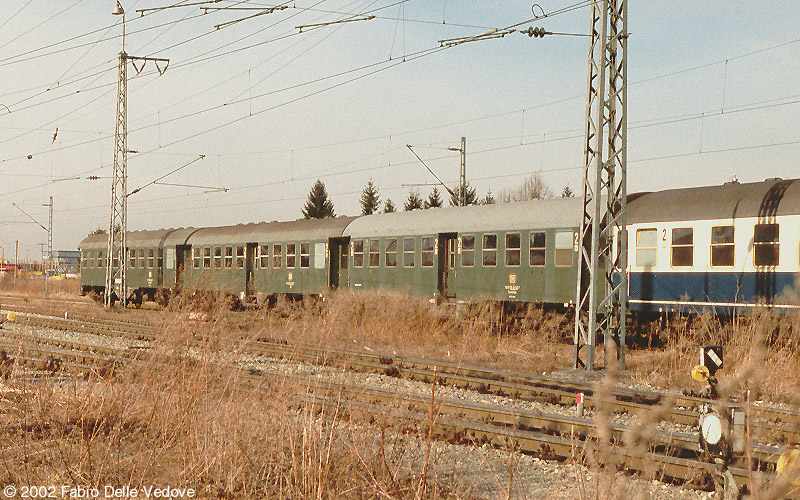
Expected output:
(319, 205)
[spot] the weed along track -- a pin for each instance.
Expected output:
(775, 424)
(632, 429)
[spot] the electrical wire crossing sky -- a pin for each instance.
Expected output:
(258, 101)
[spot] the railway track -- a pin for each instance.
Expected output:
(549, 436)
(775, 424)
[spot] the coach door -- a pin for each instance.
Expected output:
(249, 269)
(183, 254)
(446, 266)
(338, 269)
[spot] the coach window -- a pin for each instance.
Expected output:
(489, 249)
(217, 257)
(766, 245)
(409, 248)
(206, 257)
(160, 258)
(197, 258)
(646, 247)
(374, 251)
(151, 258)
(538, 241)
(229, 257)
(264, 257)
(291, 253)
(564, 250)
(277, 256)
(722, 246)
(320, 255)
(391, 252)
(305, 255)
(468, 250)
(358, 253)
(101, 261)
(141, 258)
(240, 257)
(513, 249)
(131, 259)
(682, 250)
(428, 244)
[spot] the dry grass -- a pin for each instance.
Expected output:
(35, 286)
(181, 422)
(185, 422)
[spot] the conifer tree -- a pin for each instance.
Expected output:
(413, 202)
(318, 206)
(471, 197)
(370, 199)
(389, 207)
(488, 199)
(434, 199)
(567, 192)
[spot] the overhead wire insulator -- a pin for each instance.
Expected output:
(535, 32)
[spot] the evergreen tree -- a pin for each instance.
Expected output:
(470, 198)
(488, 199)
(318, 205)
(370, 199)
(434, 199)
(389, 207)
(567, 192)
(414, 202)
(97, 231)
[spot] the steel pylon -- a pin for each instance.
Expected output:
(116, 263)
(602, 284)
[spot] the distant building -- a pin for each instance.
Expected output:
(66, 261)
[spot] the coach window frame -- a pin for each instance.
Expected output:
(409, 253)
(217, 257)
(537, 241)
(428, 251)
(513, 253)
(240, 256)
(489, 252)
(564, 244)
(305, 255)
(206, 257)
(263, 256)
(197, 258)
(467, 250)
(683, 248)
(358, 253)
(759, 245)
(132, 258)
(643, 248)
(390, 253)
(228, 258)
(374, 252)
(142, 263)
(277, 255)
(723, 246)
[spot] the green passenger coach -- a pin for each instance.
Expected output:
(525, 251)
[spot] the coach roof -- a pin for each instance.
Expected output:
(561, 212)
(728, 201)
(297, 230)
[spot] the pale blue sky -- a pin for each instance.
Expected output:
(271, 116)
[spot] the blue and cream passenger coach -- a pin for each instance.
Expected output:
(728, 246)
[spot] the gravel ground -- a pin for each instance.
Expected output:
(476, 472)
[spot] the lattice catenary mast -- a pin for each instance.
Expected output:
(602, 288)
(116, 262)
